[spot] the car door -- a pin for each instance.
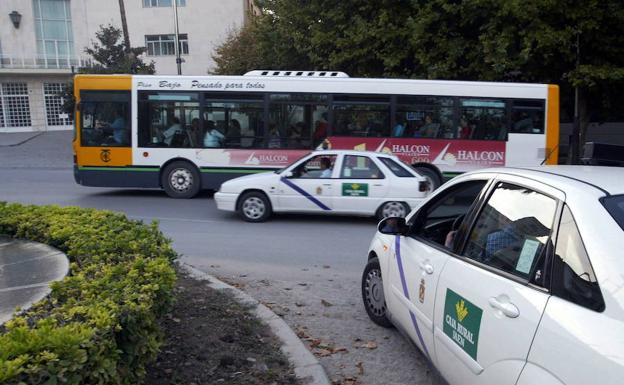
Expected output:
(420, 256)
(308, 186)
(490, 298)
(360, 186)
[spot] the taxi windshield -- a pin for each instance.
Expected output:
(615, 207)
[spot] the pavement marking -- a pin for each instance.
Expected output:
(32, 286)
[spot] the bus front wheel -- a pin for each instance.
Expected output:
(181, 180)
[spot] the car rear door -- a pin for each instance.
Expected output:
(491, 297)
(360, 186)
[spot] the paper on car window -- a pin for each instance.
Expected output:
(527, 255)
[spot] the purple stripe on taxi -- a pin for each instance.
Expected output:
(305, 194)
(397, 248)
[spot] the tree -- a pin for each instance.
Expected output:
(578, 45)
(110, 56)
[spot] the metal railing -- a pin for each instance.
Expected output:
(8, 61)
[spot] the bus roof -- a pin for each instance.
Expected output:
(336, 85)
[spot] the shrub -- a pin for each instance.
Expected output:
(99, 324)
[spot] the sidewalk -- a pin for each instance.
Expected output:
(26, 270)
(51, 149)
(11, 139)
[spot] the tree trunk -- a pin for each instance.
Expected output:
(579, 129)
(124, 25)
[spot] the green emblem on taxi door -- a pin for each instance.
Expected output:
(462, 321)
(355, 189)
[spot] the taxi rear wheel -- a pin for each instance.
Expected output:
(393, 209)
(373, 294)
(254, 207)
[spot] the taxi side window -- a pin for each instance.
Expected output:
(573, 277)
(512, 231)
(318, 167)
(440, 220)
(360, 167)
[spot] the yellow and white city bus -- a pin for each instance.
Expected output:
(186, 133)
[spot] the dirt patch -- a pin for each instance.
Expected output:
(212, 339)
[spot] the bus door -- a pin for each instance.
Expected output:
(103, 129)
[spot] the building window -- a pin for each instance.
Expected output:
(164, 45)
(53, 29)
(55, 115)
(14, 105)
(162, 3)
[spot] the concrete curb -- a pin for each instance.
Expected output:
(307, 367)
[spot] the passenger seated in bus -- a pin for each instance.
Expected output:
(169, 132)
(195, 132)
(213, 137)
(399, 128)
(429, 129)
(320, 129)
(464, 130)
(275, 137)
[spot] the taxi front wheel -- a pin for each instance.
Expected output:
(373, 294)
(254, 207)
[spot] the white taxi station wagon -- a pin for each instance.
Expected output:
(333, 182)
(509, 276)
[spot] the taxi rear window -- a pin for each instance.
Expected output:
(396, 168)
(615, 207)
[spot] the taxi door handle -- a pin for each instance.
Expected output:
(426, 267)
(507, 308)
(326, 184)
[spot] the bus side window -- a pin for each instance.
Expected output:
(169, 119)
(527, 117)
(486, 118)
(297, 120)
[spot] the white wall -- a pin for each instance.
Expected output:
(22, 41)
(207, 23)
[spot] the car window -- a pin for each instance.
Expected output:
(512, 230)
(441, 218)
(615, 207)
(396, 168)
(360, 167)
(573, 277)
(317, 167)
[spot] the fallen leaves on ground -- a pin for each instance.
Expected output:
(326, 303)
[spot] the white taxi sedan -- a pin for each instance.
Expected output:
(339, 182)
(509, 276)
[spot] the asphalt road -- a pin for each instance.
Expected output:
(307, 268)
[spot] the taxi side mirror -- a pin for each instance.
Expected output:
(288, 174)
(393, 226)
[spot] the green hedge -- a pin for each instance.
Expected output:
(99, 324)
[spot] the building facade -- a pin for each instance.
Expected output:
(43, 41)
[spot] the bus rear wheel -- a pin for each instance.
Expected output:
(181, 180)
(432, 177)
